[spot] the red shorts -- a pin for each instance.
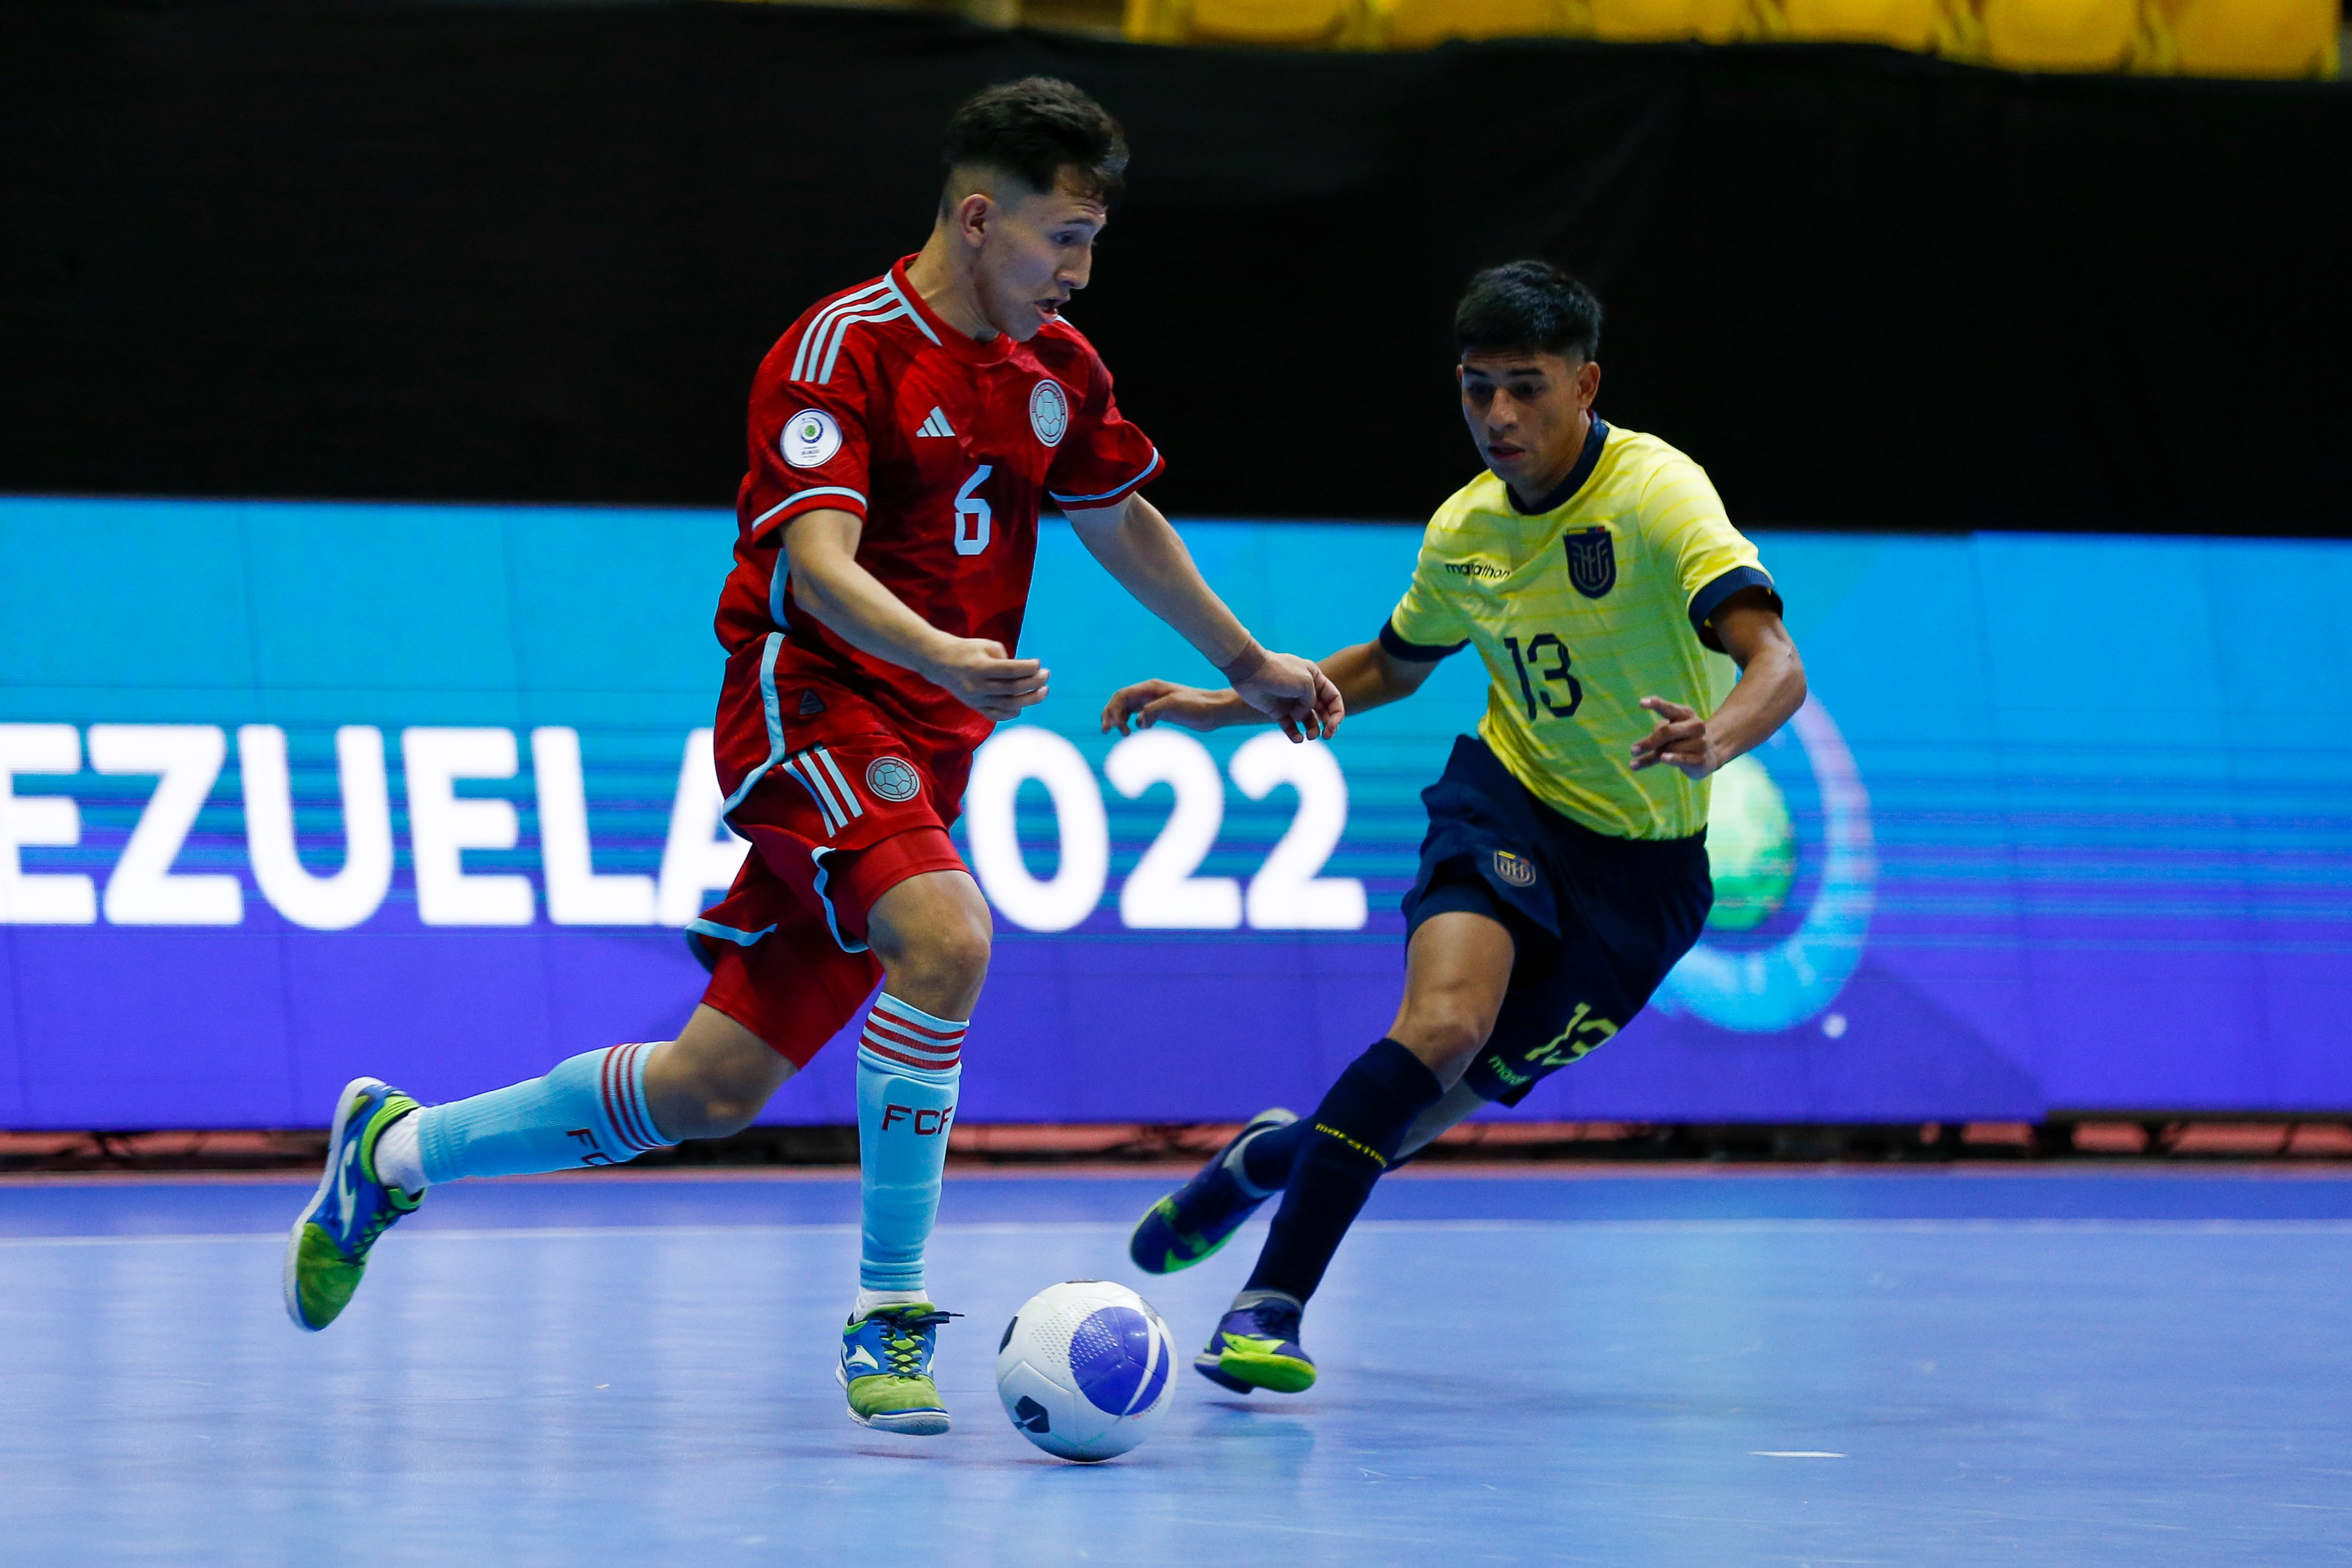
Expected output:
(850, 813)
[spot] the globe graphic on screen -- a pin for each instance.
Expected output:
(1751, 847)
(1777, 949)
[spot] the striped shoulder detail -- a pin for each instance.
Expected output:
(1062, 329)
(1069, 356)
(819, 346)
(1471, 510)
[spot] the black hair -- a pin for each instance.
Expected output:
(1034, 130)
(1527, 305)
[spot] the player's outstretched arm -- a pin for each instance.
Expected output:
(1771, 687)
(829, 583)
(1136, 545)
(1366, 675)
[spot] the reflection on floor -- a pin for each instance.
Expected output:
(1719, 1368)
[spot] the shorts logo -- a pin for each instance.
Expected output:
(1494, 1065)
(893, 779)
(810, 439)
(1591, 560)
(1517, 872)
(1049, 413)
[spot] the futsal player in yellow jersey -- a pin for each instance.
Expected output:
(1565, 868)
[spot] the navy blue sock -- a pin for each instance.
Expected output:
(1352, 1136)
(1268, 1158)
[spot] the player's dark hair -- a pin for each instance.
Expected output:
(1527, 306)
(1034, 130)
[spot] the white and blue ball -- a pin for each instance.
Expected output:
(1083, 1370)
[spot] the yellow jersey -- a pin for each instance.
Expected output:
(1581, 609)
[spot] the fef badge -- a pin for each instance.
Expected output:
(1591, 560)
(1512, 869)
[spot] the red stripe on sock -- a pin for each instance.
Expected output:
(879, 1027)
(885, 1052)
(604, 1092)
(633, 1094)
(615, 1078)
(883, 1047)
(899, 1020)
(605, 1088)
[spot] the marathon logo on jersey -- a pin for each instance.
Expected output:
(893, 779)
(810, 439)
(1591, 560)
(1517, 871)
(1049, 412)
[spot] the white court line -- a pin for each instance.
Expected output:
(1880, 1226)
(2295, 1227)
(1793, 1454)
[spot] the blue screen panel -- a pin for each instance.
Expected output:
(296, 792)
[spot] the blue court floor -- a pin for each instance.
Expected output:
(1708, 1368)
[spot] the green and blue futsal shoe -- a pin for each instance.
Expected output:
(1192, 1222)
(1257, 1346)
(328, 1250)
(886, 1369)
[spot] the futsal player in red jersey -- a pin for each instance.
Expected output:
(903, 436)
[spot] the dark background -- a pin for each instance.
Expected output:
(534, 252)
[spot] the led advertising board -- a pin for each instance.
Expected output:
(293, 792)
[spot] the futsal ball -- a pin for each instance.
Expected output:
(1083, 1370)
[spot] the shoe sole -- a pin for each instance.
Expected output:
(905, 1423)
(1208, 1367)
(290, 1282)
(1276, 1374)
(1164, 1267)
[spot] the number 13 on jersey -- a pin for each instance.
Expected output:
(1544, 660)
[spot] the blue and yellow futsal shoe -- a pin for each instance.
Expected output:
(1257, 1346)
(328, 1250)
(1191, 1223)
(886, 1369)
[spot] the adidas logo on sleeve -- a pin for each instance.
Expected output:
(936, 425)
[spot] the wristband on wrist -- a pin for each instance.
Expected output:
(1243, 665)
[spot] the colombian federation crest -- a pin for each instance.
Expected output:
(1591, 560)
(892, 779)
(1049, 412)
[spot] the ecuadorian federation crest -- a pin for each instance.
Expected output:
(1591, 560)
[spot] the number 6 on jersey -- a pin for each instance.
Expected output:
(972, 514)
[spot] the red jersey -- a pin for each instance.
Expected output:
(945, 446)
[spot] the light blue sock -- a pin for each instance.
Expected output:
(591, 1110)
(909, 1066)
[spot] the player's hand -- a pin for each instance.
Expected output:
(1296, 694)
(1147, 703)
(1677, 738)
(977, 673)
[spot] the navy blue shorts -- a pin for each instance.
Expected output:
(1597, 920)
